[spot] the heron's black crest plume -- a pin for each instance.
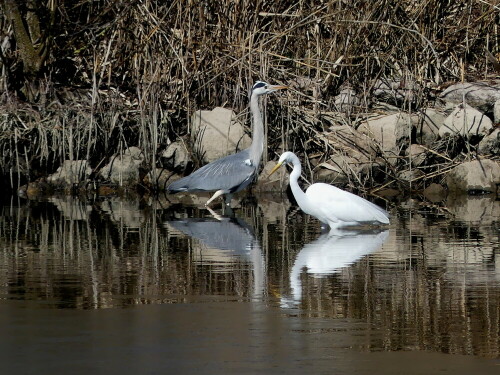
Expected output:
(258, 84)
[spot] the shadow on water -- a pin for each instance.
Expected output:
(262, 278)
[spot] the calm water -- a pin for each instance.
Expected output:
(151, 286)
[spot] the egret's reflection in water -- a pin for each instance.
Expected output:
(332, 252)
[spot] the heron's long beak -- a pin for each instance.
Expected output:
(277, 87)
(276, 168)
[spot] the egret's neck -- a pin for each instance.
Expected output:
(257, 146)
(299, 195)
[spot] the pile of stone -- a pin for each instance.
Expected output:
(405, 147)
(390, 144)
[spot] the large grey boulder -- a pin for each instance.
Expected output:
(397, 90)
(346, 100)
(217, 133)
(466, 121)
(176, 157)
(417, 154)
(429, 122)
(496, 112)
(477, 175)
(124, 169)
(71, 172)
(355, 155)
(490, 145)
(479, 95)
(388, 131)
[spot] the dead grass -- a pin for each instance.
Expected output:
(127, 73)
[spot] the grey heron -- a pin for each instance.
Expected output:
(332, 206)
(235, 172)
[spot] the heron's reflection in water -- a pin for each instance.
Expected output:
(226, 241)
(330, 253)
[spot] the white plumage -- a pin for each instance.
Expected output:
(331, 205)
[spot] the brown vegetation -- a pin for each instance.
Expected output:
(87, 79)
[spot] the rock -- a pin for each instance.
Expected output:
(356, 153)
(334, 171)
(479, 95)
(347, 140)
(474, 176)
(496, 112)
(388, 131)
(217, 134)
(410, 175)
(396, 90)
(346, 100)
(71, 172)
(417, 154)
(490, 145)
(176, 157)
(124, 169)
(342, 169)
(466, 121)
(435, 192)
(430, 121)
(35, 189)
(276, 182)
(160, 178)
(389, 193)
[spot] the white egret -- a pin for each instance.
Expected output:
(332, 206)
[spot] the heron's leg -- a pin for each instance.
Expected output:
(215, 214)
(227, 211)
(227, 199)
(216, 194)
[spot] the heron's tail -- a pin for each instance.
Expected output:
(179, 185)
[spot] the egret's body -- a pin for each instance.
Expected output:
(235, 172)
(332, 206)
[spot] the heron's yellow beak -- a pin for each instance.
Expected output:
(276, 168)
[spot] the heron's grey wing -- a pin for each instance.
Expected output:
(231, 173)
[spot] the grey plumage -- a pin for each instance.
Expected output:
(232, 173)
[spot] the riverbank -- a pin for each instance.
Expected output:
(383, 95)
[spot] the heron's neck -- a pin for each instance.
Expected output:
(257, 146)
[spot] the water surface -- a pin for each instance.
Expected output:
(150, 285)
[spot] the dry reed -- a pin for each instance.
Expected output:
(126, 73)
